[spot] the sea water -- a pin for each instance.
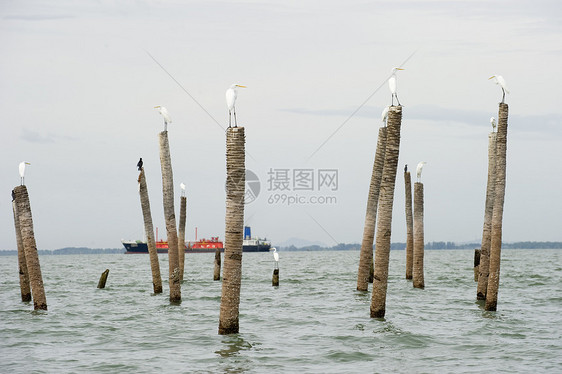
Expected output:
(314, 322)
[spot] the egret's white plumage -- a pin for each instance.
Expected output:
(392, 85)
(384, 115)
(419, 169)
(498, 79)
(22, 171)
(164, 112)
(182, 186)
(276, 257)
(493, 122)
(231, 95)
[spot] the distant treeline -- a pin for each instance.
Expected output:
(71, 251)
(339, 247)
(431, 245)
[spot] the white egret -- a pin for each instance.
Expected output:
(22, 171)
(384, 115)
(276, 257)
(419, 169)
(139, 164)
(231, 95)
(493, 122)
(498, 79)
(164, 112)
(392, 85)
(182, 186)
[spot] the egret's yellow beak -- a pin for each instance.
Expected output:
(241, 86)
(158, 106)
(492, 77)
(400, 69)
(27, 163)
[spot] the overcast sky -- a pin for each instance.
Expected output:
(79, 86)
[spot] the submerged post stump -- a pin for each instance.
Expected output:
(275, 278)
(477, 253)
(103, 279)
(181, 238)
(22, 265)
(417, 274)
(234, 223)
(169, 215)
(23, 210)
(497, 216)
(217, 271)
(409, 226)
(484, 267)
(149, 232)
(386, 199)
(366, 269)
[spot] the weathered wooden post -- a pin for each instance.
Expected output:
(149, 232)
(275, 278)
(170, 217)
(497, 216)
(409, 225)
(477, 254)
(484, 267)
(181, 238)
(417, 270)
(103, 279)
(232, 271)
(217, 271)
(23, 211)
(366, 255)
(22, 265)
(386, 199)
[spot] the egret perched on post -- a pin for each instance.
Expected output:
(384, 115)
(22, 171)
(419, 169)
(499, 80)
(392, 85)
(182, 186)
(139, 164)
(164, 112)
(231, 95)
(493, 122)
(276, 257)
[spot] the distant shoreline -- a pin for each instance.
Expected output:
(339, 247)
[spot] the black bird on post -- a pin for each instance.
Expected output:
(406, 168)
(139, 164)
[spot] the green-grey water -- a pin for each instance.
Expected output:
(315, 322)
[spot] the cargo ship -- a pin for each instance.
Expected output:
(201, 246)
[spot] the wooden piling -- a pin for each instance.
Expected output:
(23, 211)
(409, 226)
(103, 279)
(25, 288)
(217, 272)
(484, 267)
(497, 215)
(149, 232)
(170, 216)
(417, 269)
(477, 253)
(275, 278)
(364, 273)
(386, 199)
(232, 270)
(181, 237)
